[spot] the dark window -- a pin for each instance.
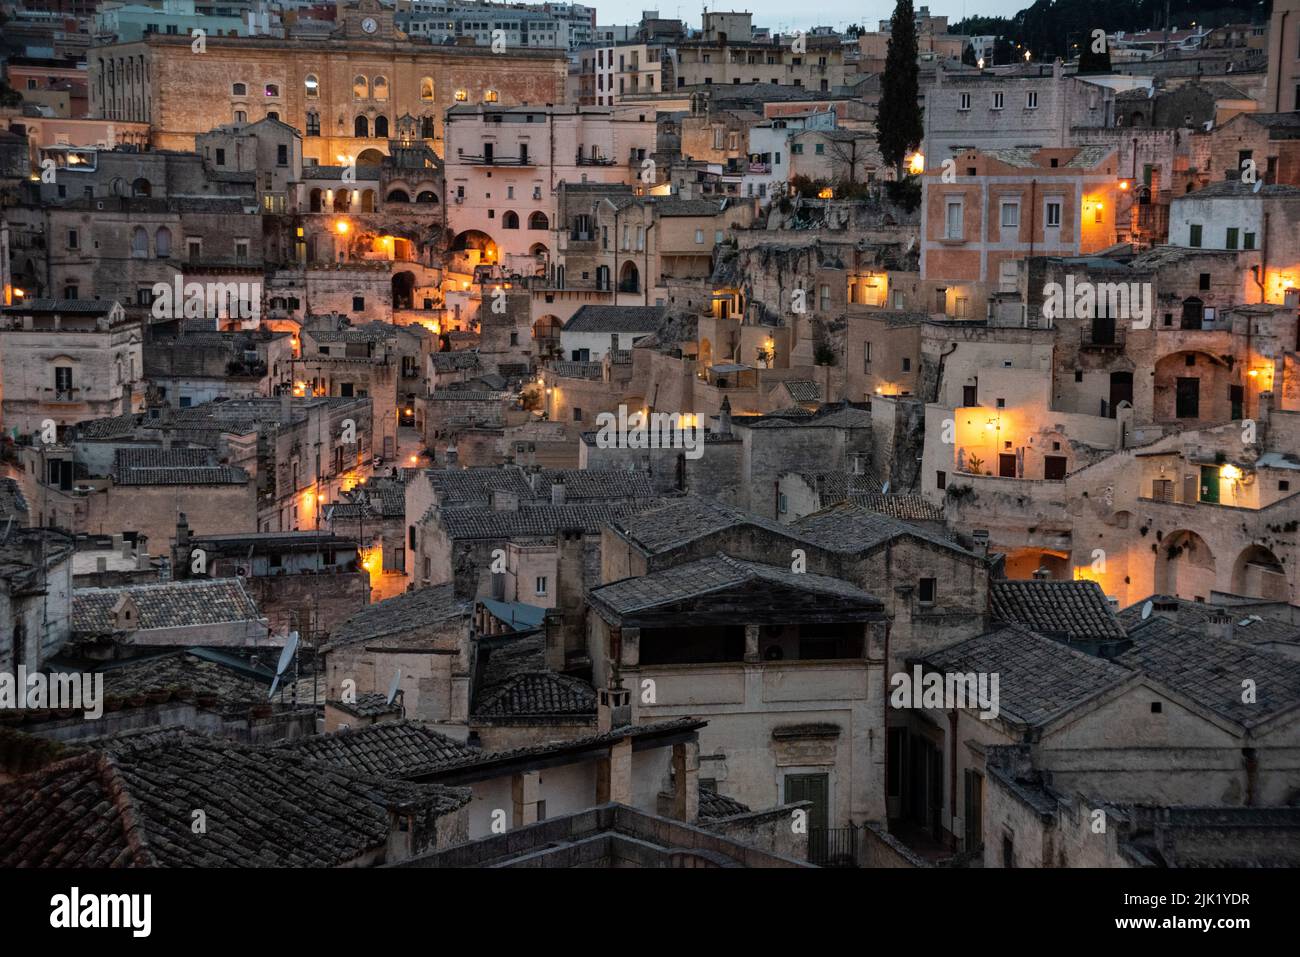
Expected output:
(940, 479)
(1078, 375)
(282, 155)
(1157, 707)
(1283, 485)
(1205, 276)
(1008, 853)
(1194, 239)
(358, 303)
(968, 395)
(927, 590)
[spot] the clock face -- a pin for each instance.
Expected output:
(369, 25)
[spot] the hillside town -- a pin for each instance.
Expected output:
(452, 434)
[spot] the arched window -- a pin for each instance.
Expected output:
(510, 219)
(273, 89)
(538, 220)
(427, 196)
(381, 127)
(239, 89)
(313, 123)
(367, 200)
(398, 196)
(139, 243)
(360, 88)
(272, 115)
(426, 89)
(361, 127)
(426, 127)
(311, 85)
(141, 187)
(381, 88)
(162, 242)
(490, 96)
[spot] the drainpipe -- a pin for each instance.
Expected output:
(952, 776)
(1033, 212)
(1281, 45)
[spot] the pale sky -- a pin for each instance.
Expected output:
(781, 14)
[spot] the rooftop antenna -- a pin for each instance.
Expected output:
(1146, 609)
(286, 656)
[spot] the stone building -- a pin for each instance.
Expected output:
(67, 360)
(726, 52)
(343, 91)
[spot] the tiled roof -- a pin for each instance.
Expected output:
(370, 332)
(569, 369)
(166, 605)
(850, 529)
(714, 806)
(664, 526)
(1248, 627)
(475, 485)
(596, 484)
(112, 427)
(909, 508)
(1038, 678)
(1074, 609)
(616, 319)
(393, 615)
(181, 671)
(803, 390)
(369, 705)
(391, 749)
(89, 307)
(467, 395)
(12, 502)
(178, 466)
(542, 521)
(717, 573)
(262, 807)
(1211, 672)
(837, 486)
(537, 693)
(455, 361)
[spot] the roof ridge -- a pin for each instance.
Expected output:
(129, 812)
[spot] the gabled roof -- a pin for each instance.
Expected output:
(1077, 610)
(166, 605)
(1038, 678)
(1211, 671)
(649, 598)
(909, 508)
(263, 807)
(529, 520)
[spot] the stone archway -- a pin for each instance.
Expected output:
(1185, 566)
(1259, 573)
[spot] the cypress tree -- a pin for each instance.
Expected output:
(898, 119)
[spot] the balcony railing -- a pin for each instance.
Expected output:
(1101, 337)
(594, 160)
(481, 160)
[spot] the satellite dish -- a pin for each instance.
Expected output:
(286, 656)
(1146, 610)
(884, 489)
(392, 688)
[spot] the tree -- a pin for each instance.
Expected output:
(1094, 56)
(968, 55)
(898, 119)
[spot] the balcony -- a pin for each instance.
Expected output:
(1106, 337)
(478, 159)
(593, 160)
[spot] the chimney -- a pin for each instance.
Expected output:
(117, 542)
(285, 406)
(452, 457)
(142, 560)
(126, 551)
(613, 707)
(182, 533)
(1220, 624)
(557, 493)
(724, 417)
(503, 501)
(101, 564)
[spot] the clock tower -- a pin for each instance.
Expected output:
(367, 20)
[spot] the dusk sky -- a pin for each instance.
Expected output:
(787, 16)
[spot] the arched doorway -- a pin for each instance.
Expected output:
(629, 279)
(1185, 566)
(475, 241)
(427, 196)
(1121, 390)
(1259, 573)
(367, 200)
(342, 200)
(361, 127)
(370, 157)
(404, 290)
